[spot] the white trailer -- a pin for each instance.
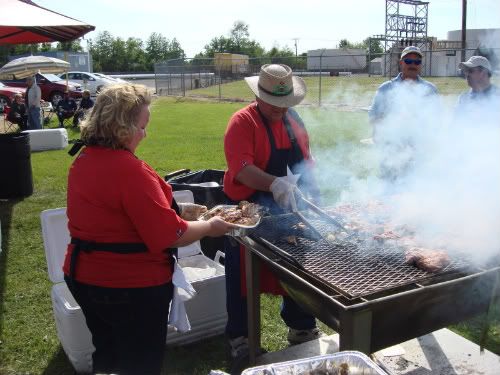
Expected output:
(339, 60)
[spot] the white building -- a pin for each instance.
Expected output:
(337, 60)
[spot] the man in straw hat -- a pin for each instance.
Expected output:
(477, 71)
(262, 141)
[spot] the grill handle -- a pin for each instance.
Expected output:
(323, 214)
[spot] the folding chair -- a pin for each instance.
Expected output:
(47, 111)
(67, 120)
(8, 126)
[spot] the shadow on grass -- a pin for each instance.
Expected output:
(196, 358)
(59, 364)
(6, 207)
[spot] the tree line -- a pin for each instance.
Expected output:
(115, 54)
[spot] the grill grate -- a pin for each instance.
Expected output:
(355, 266)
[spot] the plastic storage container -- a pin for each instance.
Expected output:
(206, 311)
(48, 139)
(15, 166)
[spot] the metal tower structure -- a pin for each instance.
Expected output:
(405, 25)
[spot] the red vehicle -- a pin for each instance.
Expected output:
(51, 86)
(7, 94)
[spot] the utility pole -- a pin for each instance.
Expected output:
(464, 27)
(295, 40)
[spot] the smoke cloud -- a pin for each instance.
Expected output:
(444, 161)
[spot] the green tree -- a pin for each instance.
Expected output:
(136, 57)
(238, 41)
(159, 48)
(283, 55)
(101, 50)
(239, 35)
(71, 46)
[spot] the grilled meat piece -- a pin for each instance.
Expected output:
(427, 259)
(388, 235)
(248, 209)
(292, 240)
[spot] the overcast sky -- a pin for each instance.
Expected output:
(316, 23)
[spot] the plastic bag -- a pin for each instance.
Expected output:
(183, 291)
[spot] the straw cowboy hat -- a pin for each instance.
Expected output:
(277, 86)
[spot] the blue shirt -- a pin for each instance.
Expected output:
(383, 99)
(475, 107)
(474, 97)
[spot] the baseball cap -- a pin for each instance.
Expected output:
(476, 61)
(411, 49)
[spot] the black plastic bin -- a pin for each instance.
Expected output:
(207, 195)
(16, 178)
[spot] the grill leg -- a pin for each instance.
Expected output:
(356, 331)
(252, 268)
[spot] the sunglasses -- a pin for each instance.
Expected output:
(412, 61)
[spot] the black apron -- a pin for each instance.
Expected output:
(279, 160)
(276, 166)
(117, 248)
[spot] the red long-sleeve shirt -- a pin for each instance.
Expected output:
(113, 197)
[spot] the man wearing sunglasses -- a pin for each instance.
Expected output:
(477, 71)
(386, 95)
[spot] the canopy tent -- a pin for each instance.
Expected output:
(23, 22)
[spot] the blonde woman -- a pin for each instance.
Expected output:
(124, 225)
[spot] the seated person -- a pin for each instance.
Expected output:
(65, 108)
(85, 104)
(17, 114)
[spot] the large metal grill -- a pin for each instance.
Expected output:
(355, 266)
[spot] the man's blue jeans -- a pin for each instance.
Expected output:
(237, 325)
(34, 118)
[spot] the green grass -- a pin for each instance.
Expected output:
(182, 134)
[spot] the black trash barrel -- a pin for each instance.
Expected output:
(16, 179)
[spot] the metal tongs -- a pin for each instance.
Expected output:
(322, 213)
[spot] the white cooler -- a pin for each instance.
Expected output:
(48, 139)
(206, 311)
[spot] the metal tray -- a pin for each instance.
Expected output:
(347, 362)
(240, 229)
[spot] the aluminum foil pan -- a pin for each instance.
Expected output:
(240, 230)
(341, 363)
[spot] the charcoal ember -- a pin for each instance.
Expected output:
(429, 260)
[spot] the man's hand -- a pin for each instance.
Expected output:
(284, 193)
(191, 211)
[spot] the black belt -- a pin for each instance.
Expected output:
(88, 246)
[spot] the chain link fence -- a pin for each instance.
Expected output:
(344, 79)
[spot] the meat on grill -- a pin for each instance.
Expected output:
(427, 259)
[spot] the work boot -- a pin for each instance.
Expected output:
(298, 336)
(239, 353)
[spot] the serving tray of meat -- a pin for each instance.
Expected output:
(244, 215)
(340, 363)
